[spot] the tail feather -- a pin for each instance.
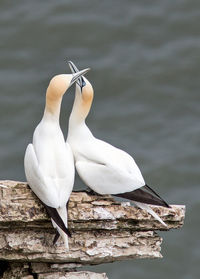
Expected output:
(143, 198)
(150, 211)
(64, 213)
(53, 213)
(61, 233)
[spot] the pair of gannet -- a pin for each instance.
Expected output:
(49, 160)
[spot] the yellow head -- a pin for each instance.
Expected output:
(58, 87)
(87, 92)
(84, 96)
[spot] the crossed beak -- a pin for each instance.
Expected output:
(79, 80)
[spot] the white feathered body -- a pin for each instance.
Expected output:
(49, 165)
(103, 167)
(49, 168)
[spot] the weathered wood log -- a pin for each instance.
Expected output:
(103, 230)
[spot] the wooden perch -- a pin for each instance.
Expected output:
(103, 230)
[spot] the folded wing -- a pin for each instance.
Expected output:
(38, 184)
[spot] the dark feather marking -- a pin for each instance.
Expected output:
(56, 237)
(57, 233)
(151, 190)
(53, 213)
(140, 195)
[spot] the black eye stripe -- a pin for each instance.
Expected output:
(83, 82)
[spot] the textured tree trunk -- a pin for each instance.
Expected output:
(103, 230)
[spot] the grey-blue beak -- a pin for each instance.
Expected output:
(80, 81)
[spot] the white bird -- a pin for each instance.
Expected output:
(103, 167)
(48, 161)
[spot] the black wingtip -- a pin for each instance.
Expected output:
(56, 238)
(53, 213)
(151, 190)
(139, 195)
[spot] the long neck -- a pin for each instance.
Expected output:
(81, 107)
(52, 107)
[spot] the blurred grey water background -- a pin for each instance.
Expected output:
(144, 57)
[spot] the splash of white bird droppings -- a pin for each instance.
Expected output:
(124, 204)
(102, 213)
(103, 251)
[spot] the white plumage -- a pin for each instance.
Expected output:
(48, 161)
(103, 167)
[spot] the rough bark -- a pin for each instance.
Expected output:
(103, 230)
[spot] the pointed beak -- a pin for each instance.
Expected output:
(80, 81)
(73, 67)
(78, 75)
